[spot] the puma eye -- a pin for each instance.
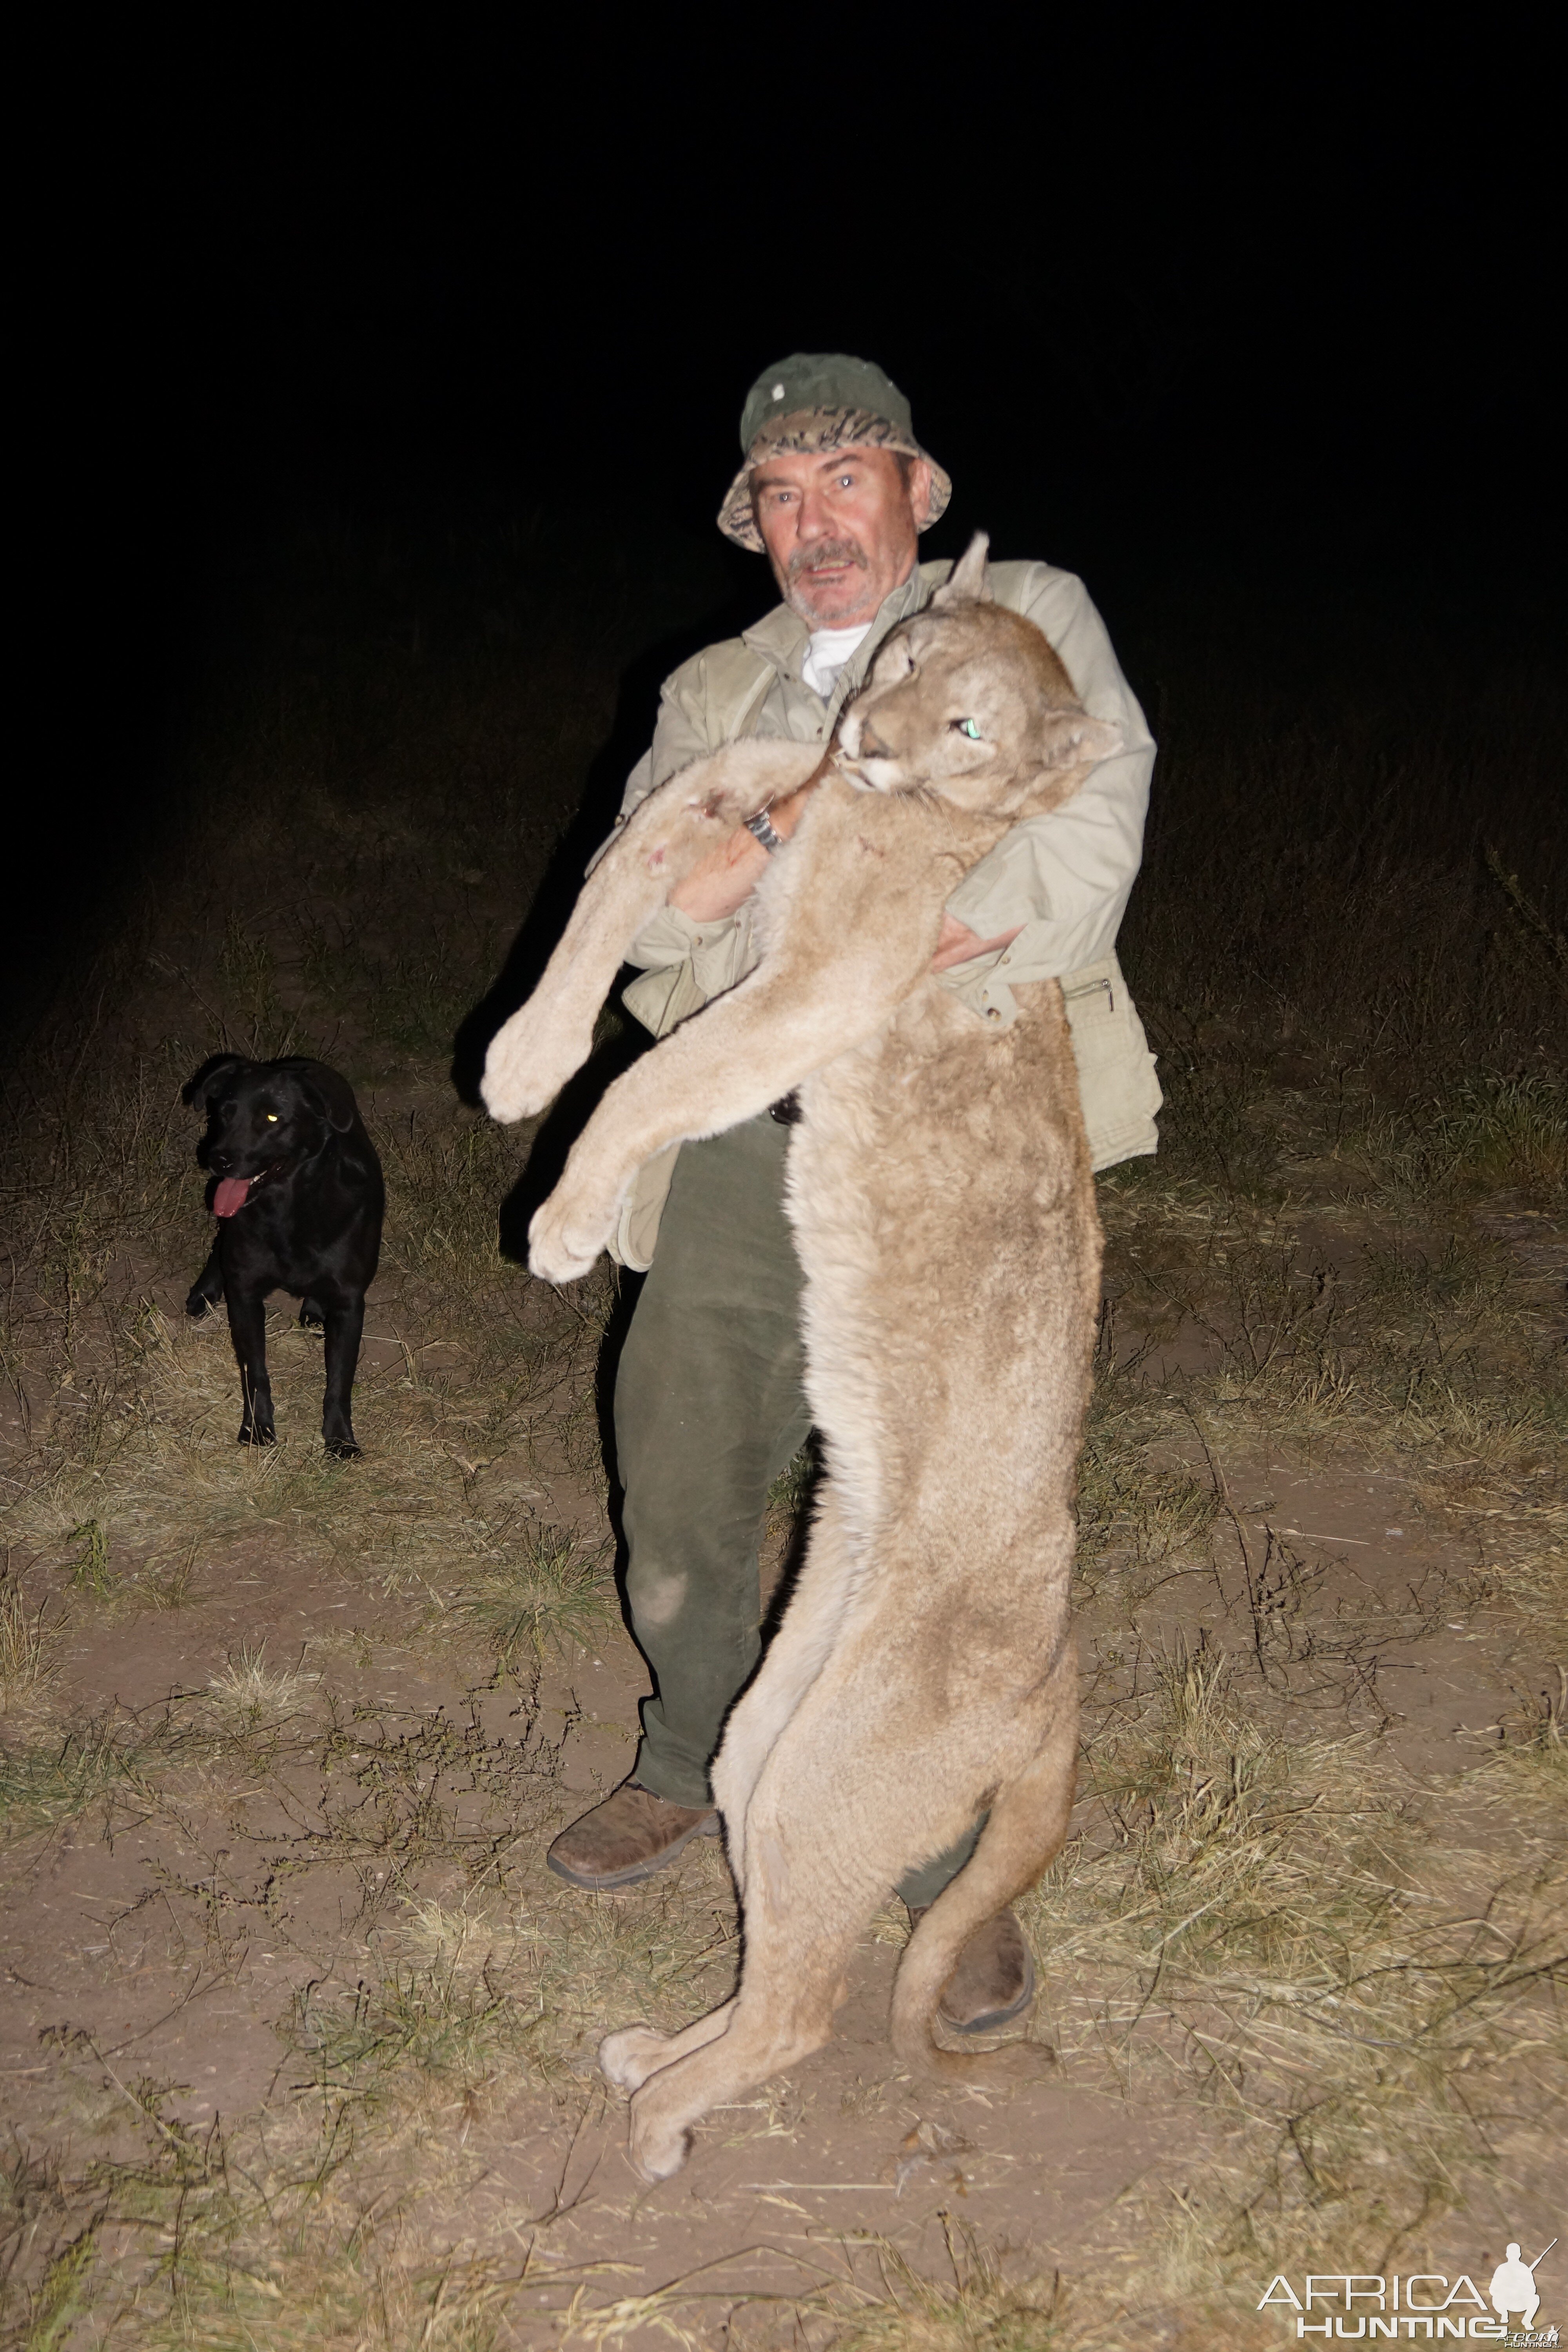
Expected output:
(968, 727)
(272, 1118)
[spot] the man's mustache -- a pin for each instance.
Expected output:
(826, 551)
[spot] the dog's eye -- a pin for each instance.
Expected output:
(968, 727)
(272, 1118)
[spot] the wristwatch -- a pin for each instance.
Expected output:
(762, 831)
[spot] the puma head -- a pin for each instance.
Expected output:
(969, 701)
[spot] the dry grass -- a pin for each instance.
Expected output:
(1270, 1926)
(30, 1636)
(471, 2003)
(250, 1694)
(56, 1774)
(253, 2242)
(543, 1595)
(153, 1459)
(978, 2305)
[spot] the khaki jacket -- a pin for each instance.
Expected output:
(1064, 877)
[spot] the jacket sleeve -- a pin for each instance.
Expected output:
(684, 963)
(681, 735)
(1067, 877)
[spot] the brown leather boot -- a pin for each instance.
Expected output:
(994, 1982)
(629, 1836)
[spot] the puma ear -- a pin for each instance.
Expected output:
(967, 583)
(1070, 739)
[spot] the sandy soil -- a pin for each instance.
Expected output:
(176, 1935)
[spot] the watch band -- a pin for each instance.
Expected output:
(761, 829)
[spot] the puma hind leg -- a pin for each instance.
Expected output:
(825, 1832)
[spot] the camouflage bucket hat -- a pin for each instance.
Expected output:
(822, 400)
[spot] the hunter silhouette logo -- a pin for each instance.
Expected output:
(1513, 2286)
(1352, 2306)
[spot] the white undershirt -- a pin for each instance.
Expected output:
(826, 654)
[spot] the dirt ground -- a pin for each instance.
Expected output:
(276, 1929)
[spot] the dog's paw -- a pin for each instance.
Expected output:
(343, 1449)
(564, 1243)
(626, 2059)
(251, 1434)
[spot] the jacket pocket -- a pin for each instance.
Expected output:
(635, 1237)
(1116, 1078)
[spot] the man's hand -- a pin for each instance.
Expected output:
(956, 943)
(727, 876)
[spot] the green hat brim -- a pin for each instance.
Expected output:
(813, 429)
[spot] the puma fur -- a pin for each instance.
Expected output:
(940, 1192)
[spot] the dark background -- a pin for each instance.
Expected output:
(1237, 321)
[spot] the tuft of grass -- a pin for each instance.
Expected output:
(976, 2308)
(791, 1490)
(28, 1638)
(1509, 1130)
(542, 1594)
(62, 2296)
(44, 1782)
(90, 1570)
(172, 1583)
(247, 978)
(251, 1696)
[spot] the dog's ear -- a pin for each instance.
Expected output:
(334, 1094)
(204, 1084)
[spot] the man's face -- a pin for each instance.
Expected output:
(839, 527)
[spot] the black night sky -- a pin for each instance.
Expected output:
(1241, 298)
(1170, 302)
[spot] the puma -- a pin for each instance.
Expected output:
(940, 1192)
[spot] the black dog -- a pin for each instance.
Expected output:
(299, 1197)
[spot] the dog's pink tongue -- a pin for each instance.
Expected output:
(230, 1195)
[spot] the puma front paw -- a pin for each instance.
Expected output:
(527, 1065)
(626, 2059)
(656, 2150)
(563, 1240)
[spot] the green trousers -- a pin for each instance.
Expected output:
(710, 1407)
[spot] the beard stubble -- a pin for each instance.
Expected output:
(806, 561)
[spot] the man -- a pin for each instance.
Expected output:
(708, 1404)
